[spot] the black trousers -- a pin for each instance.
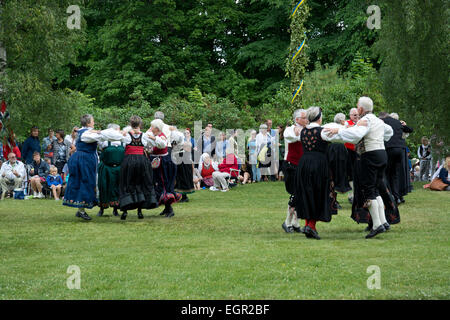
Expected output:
(393, 169)
(373, 167)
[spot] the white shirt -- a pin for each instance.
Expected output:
(261, 140)
(7, 169)
(159, 142)
(375, 133)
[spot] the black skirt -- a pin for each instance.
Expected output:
(289, 177)
(314, 192)
(360, 213)
(338, 160)
(405, 185)
(185, 179)
(136, 183)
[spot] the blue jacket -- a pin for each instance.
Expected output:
(29, 146)
(443, 174)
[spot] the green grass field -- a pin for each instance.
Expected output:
(222, 246)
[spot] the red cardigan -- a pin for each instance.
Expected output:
(230, 162)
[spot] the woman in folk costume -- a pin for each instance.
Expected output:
(338, 161)
(136, 189)
(109, 173)
(80, 192)
(182, 155)
(314, 191)
(164, 169)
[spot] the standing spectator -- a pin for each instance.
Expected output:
(38, 174)
(31, 145)
(188, 137)
(424, 153)
(281, 152)
(264, 141)
(274, 164)
(70, 140)
(253, 157)
(207, 142)
(12, 172)
(60, 149)
(47, 144)
(55, 182)
(221, 147)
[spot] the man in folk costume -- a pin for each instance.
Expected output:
(369, 134)
(136, 189)
(292, 137)
(354, 117)
(80, 192)
(164, 169)
(109, 173)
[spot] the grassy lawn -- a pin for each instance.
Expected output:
(222, 246)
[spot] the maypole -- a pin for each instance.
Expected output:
(298, 58)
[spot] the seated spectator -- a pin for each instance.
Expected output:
(12, 174)
(444, 174)
(55, 182)
(38, 175)
(244, 174)
(197, 179)
(206, 168)
(219, 177)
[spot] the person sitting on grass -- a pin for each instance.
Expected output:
(219, 177)
(55, 182)
(444, 174)
(38, 174)
(206, 168)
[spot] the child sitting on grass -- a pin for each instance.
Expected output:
(54, 182)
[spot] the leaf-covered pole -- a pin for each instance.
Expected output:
(297, 58)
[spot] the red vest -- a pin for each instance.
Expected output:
(157, 151)
(350, 146)
(295, 152)
(207, 173)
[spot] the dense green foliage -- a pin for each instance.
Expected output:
(414, 47)
(228, 62)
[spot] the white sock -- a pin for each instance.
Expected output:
(295, 223)
(373, 209)
(381, 212)
(350, 195)
(287, 222)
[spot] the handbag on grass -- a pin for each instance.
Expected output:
(438, 185)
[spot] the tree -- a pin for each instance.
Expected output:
(414, 46)
(38, 43)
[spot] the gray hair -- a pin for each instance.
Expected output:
(394, 115)
(263, 126)
(86, 119)
(159, 115)
(338, 118)
(353, 109)
(113, 126)
(312, 113)
(366, 103)
(298, 113)
(157, 123)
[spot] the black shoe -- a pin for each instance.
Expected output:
(402, 200)
(368, 228)
(373, 233)
(338, 206)
(140, 215)
(286, 228)
(186, 199)
(124, 216)
(115, 213)
(386, 226)
(311, 233)
(170, 214)
(299, 229)
(350, 199)
(100, 213)
(83, 215)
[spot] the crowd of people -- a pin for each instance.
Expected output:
(135, 169)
